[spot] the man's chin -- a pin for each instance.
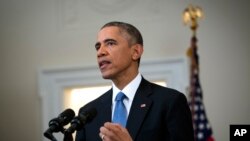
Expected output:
(106, 76)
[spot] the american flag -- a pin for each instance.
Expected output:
(202, 128)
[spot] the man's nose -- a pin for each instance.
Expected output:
(101, 51)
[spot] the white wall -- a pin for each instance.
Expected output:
(37, 34)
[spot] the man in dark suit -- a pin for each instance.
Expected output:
(154, 113)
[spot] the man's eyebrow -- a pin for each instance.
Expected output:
(108, 40)
(97, 44)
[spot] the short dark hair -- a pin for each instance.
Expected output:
(135, 36)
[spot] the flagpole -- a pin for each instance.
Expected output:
(190, 16)
(202, 128)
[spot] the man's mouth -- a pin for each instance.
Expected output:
(103, 64)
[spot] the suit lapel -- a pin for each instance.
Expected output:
(106, 108)
(139, 108)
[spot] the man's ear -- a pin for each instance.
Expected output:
(137, 51)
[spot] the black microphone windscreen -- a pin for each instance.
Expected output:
(86, 114)
(67, 116)
(56, 124)
(90, 113)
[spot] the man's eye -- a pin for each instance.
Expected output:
(110, 43)
(97, 47)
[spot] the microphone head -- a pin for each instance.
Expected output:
(85, 115)
(89, 113)
(66, 116)
(56, 124)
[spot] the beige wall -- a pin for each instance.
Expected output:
(38, 34)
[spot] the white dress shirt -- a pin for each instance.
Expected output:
(129, 91)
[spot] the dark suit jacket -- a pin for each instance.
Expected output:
(157, 114)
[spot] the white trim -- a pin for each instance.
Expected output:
(52, 82)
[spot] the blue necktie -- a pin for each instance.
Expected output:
(120, 112)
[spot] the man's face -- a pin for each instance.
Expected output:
(114, 55)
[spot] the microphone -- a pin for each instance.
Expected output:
(85, 115)
(56, 124)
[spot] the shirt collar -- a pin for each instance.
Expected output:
(128, 90)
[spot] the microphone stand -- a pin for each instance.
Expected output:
(68, 132)
(50, 136)
(67, 136)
